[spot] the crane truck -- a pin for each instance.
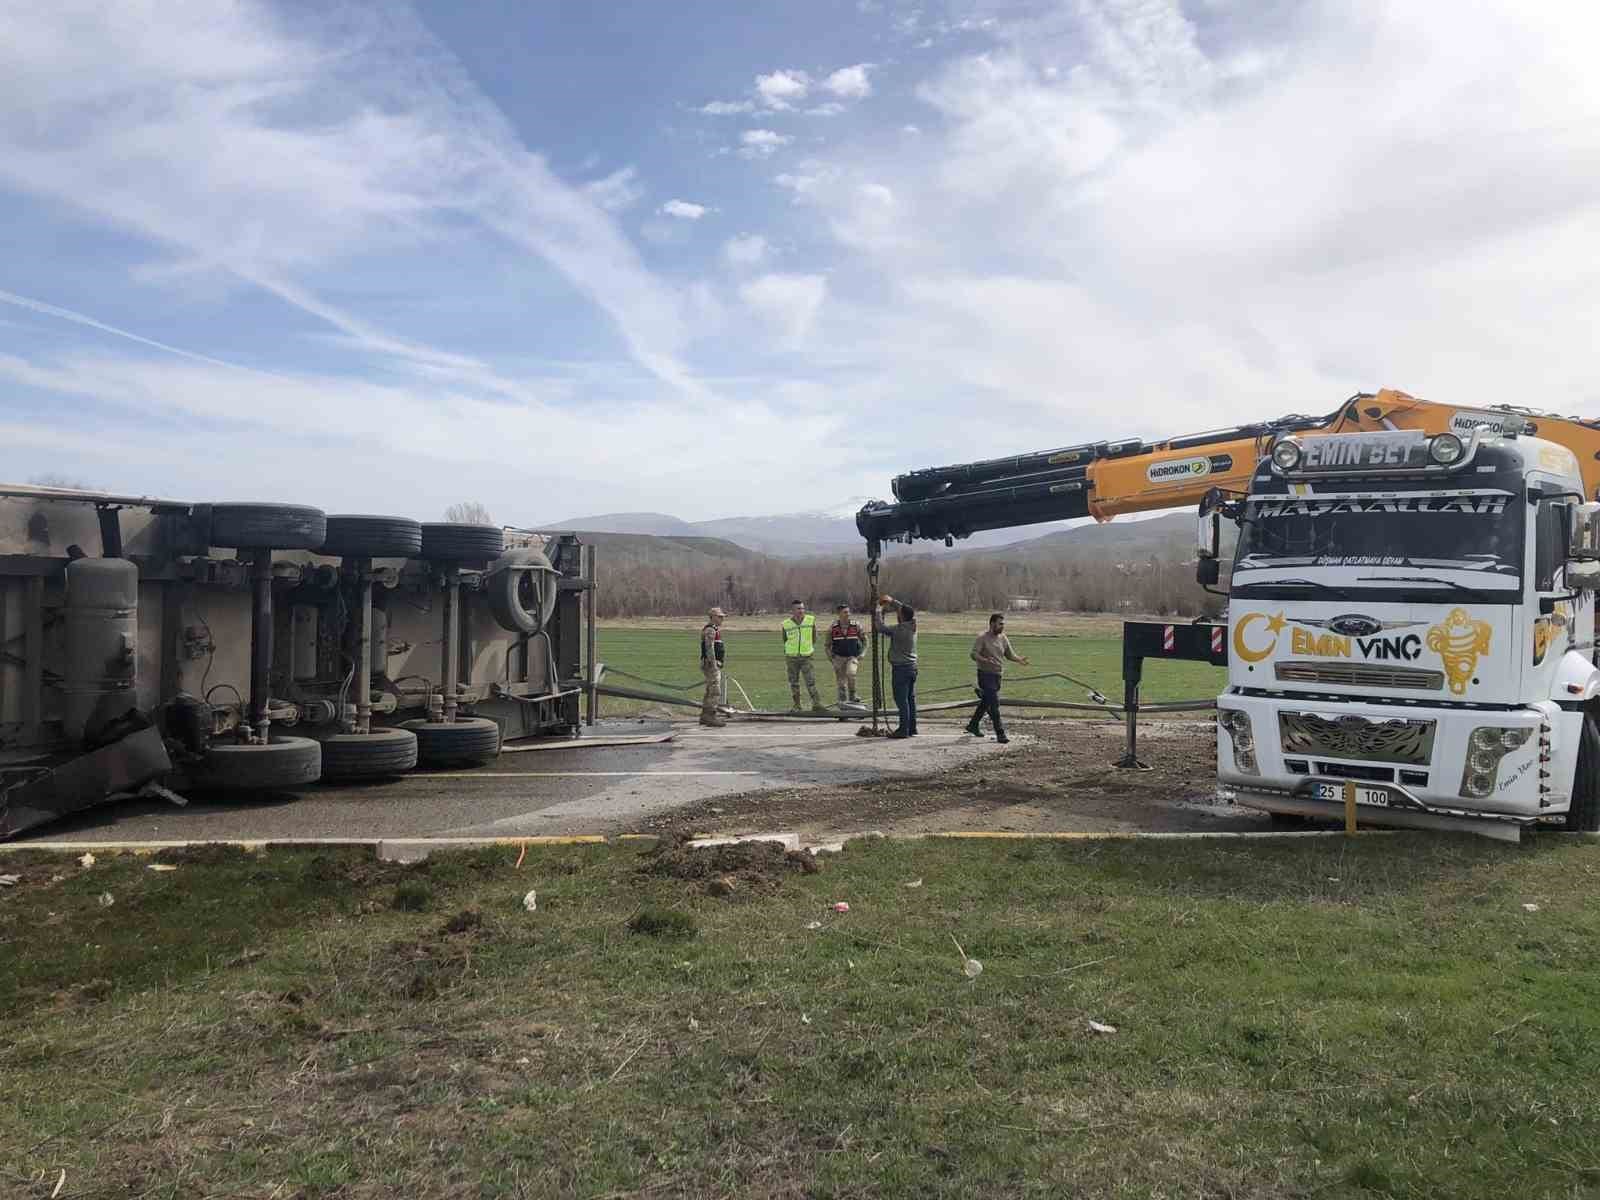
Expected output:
(1410, 610)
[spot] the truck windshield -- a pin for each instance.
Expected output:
(1479, 532)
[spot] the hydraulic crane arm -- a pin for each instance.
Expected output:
(1106, 479)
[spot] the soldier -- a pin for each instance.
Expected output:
(799, 643)
(845, 645)
(711, 660)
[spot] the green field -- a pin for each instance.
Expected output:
(945, 672)
(1338, 1018)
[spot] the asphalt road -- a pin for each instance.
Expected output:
(582, 789)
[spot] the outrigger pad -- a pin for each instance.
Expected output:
(57, 791)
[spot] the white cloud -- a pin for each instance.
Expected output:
(726, 108)
(746, 250)
(617, 192)
(286, 154)
(782, 89)
(787, 303)
(850, 83)
(684, 210)
(831, 109)
(759, 143)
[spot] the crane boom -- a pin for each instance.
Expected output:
(1107, 479)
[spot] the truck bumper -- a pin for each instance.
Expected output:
(1408, 763)
(1394, 816)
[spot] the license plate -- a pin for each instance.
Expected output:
(1376, 797)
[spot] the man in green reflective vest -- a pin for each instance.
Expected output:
(799, 641)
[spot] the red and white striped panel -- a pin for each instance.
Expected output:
(1216, 640)
(1168, 637)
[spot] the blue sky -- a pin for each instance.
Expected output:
(716, 259)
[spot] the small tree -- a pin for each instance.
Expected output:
(468, 512)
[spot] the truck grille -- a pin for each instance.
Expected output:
(1351, 736)
(1360, 675)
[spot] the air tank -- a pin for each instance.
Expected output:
(102, 630)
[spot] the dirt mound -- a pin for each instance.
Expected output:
(757, 863)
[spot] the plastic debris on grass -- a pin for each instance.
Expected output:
(107, 900)
(970, 967)
(915, 883)
(86, 860)
(841, 906)
(531, 901)
(1101, 1027)
(813, 924)
(1530, 908)
(161, 867)
(10, 880)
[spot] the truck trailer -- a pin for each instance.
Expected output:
(221, 649)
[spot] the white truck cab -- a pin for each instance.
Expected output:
(1411, 618)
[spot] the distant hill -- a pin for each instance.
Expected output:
(784, 535)
(1172, 533)
(649, 550)
(659, 524)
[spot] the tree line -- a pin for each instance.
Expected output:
(1158, 583)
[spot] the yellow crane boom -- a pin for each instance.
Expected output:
(1106, 479)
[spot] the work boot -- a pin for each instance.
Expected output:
(974, 729)
(713, 720)
(818, 709)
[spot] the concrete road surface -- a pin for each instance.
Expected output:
(593, 789)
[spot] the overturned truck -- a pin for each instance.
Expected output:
(165, 646)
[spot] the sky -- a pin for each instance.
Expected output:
(714, 259)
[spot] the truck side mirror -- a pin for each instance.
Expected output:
(1208, 570)
(1583, 575)
(1583, 538)
(1208, 532)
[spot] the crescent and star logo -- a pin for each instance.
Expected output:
(1241, 646)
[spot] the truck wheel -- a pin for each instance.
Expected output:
(282, 764)
(469, 742)
(268, 526)
(373, 537)
(446, 542)
(1584, 815)
(375, 755)
(523, 599)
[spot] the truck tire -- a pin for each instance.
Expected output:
(375, 755)
(268, 526)
(521, 599)
(469, 742)
(1584, 814)
(373, 537)
(446, 542)
(283, 764)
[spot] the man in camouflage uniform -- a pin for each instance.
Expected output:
(711, 660)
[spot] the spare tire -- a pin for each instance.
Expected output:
(282, 764)
(521, 590)
(373, 537)
(268, 526)
(372, 755)
(449, 542)
(467, 742)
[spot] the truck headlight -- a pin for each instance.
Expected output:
(1242, 738)
(1487, 745)
(1286, 454)
(1445, 449)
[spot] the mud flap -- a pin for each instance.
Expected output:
(48, 793)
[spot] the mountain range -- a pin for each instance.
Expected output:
(830, 534)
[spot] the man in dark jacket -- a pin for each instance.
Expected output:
(845, 645)
(902, 662)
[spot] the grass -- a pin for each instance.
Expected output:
(1333, 1018)
(945, 670)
